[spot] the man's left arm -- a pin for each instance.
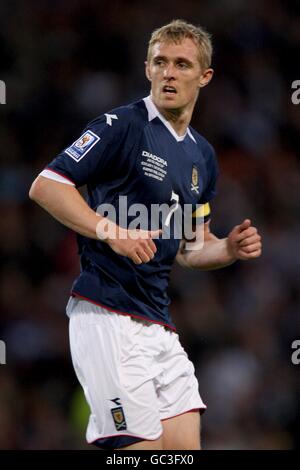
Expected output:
(242, 243)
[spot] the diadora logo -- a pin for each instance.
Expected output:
(116, 401)
(155, 158)
(154, 166)
(109, 118)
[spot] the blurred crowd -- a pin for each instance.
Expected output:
(65, 62)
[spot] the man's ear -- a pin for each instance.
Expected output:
(147, 71)
(206, 78)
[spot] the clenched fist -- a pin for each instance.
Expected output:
(135, 244)
(244, 242)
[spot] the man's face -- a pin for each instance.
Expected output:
(176, 75)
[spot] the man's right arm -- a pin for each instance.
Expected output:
(65, 203)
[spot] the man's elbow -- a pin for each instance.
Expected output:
(33, 192)
(184, 261)
(37, 190)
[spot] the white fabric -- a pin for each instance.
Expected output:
(153, 113)
(56, 177)
(140, 363)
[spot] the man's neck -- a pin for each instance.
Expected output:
(179, 119)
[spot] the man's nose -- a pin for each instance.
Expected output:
(169, 71)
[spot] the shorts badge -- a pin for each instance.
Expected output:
(119, 418)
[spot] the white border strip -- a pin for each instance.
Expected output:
(56, 177)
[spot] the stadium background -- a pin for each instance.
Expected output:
(64, 63)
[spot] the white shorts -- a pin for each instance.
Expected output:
(134, 374)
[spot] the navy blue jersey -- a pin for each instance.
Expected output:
(132, 152)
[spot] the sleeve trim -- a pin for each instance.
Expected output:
(54, 175)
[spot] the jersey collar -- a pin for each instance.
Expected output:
(153, 113)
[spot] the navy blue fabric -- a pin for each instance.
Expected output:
(116, 442)
(113, 167)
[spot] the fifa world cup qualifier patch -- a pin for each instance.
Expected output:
(82, 146)
(119, 418)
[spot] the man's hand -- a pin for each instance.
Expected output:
(244, 242)
(135, 244)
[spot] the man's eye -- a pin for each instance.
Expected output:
(182, 65)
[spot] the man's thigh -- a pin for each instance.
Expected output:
(182, 432)
(179, 433)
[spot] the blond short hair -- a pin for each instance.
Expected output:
(178, 30)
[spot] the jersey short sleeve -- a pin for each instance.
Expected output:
(95, 150)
